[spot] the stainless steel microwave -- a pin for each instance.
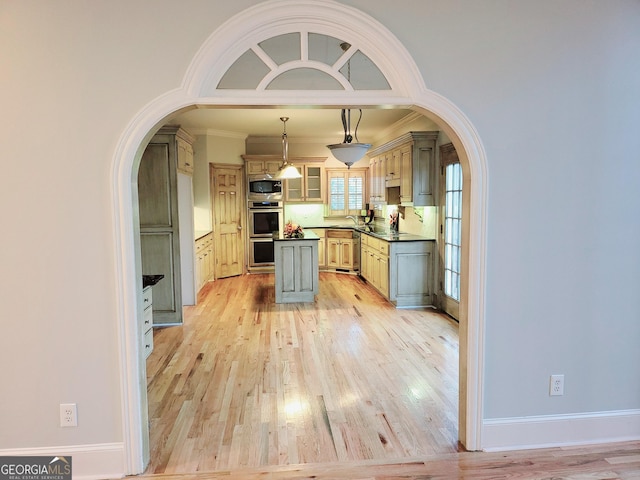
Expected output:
(264, 188)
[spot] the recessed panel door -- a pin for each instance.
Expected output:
(228, 207)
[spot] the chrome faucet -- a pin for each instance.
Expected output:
(354, 218)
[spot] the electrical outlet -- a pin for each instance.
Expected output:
(68, 415)
(556, 385)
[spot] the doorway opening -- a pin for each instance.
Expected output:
(407, 90)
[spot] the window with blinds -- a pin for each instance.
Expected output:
(346, 191)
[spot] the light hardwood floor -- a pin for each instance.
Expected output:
(346, 388)
(247, 382)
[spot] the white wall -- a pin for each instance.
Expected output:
(552, 88)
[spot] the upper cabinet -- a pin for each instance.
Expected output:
(408, 163)
(262, 164)
(376, 179)
(311, 186)
(184, 143)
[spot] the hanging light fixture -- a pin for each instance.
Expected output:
(348, 152)
(287, 170)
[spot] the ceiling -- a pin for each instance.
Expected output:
(324, 124)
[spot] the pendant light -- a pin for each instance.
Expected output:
(347, 152)
(287, 170)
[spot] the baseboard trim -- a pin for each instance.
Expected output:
(90, 462)
(518, 433)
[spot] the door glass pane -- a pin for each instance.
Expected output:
(453, 225)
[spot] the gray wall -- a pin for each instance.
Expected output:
(552, 88)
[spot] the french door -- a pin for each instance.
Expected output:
(450, 230)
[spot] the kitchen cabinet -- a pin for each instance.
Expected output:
(340, 254)
(159, 215)
(204, 260)
(392, 168)
(322, 242)
(402, 271)
(296, 268)
(411, 273)
(406, 181)
(376, 180)
(375, 263)
(147, 321)
(310, 187)
(184, 143)
(254, 165)
(414, 156)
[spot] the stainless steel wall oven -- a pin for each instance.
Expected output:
(265, 218)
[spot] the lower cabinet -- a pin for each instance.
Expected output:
(411, 270)
(204, 260)
(401, 271)
(374, 263)
(147, 321)
(322, 261)
(339, 246)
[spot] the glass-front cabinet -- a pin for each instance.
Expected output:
(309, 188)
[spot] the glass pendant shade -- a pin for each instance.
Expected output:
(286, 169)
(349, 153)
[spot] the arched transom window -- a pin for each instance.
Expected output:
(303, 61)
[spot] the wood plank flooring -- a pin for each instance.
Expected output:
(345, 388)
(612, 461)
(247, 383)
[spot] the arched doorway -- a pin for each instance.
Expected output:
(204, 85)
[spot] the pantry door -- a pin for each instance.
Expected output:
(228, 207)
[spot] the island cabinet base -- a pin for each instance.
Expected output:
(296, 270)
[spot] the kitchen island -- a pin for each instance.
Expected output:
(296, 267)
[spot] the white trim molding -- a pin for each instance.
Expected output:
(198, 89)
(518, 433)
(268, 19)
(89, 462)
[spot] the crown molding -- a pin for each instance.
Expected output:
(211, 132)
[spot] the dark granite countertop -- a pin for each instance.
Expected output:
(201, 233)
(150, 280)
(378, 232)
(308, 235)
